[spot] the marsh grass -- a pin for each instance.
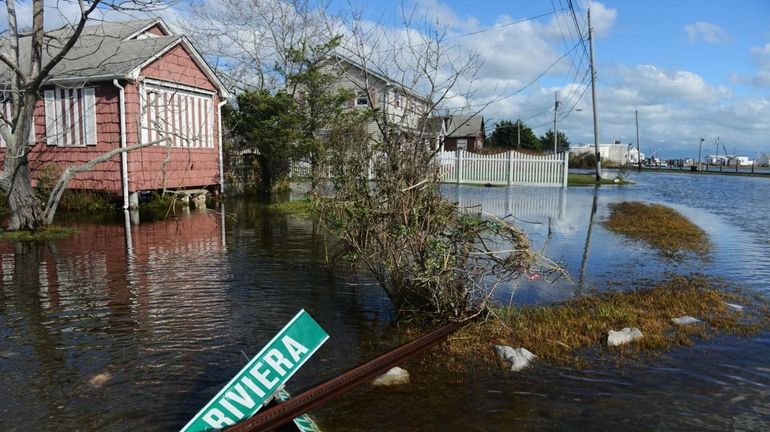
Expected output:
(661, 227)
(51, 232)
(301, 208)
(562, 333)
(575, 179)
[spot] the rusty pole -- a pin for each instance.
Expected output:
(335, 387)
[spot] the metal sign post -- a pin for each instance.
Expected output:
(245, 394)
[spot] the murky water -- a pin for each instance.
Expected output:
(162, 313)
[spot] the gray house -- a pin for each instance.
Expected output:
(403, 107)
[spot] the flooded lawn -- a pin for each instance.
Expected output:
(136, 328)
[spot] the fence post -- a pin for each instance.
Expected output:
(510, 167)
(566, 169)
(459, 162)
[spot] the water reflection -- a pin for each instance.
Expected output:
(165, 309)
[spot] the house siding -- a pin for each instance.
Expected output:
(178, 66)
(474, 143)
(46, 160)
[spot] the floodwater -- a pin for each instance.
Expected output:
(135, 327)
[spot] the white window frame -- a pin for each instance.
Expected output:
(60, 112)
(192, 127)
(362, 98)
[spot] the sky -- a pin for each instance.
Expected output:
(691, 69)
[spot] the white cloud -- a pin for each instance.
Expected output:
(707, 32)
(761, 57)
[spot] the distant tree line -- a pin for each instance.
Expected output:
(515, 135)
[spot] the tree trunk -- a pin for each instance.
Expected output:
(26, 211)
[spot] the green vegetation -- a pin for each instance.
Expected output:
(546, 141)
(575, 179)
(300, 208)
(277, 127)
(661, 227)
(158, 207)
(51, 232)
(562, 332)
(506, 135)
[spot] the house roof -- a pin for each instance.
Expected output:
(464, 126)
(105, 51)
(382, 77)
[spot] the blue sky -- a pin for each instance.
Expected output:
(691, 68)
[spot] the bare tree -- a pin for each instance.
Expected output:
(23, 84)
(428, 254)
(250, 42)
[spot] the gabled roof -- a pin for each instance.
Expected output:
(387, 80)
(464, 126)
(106, 51)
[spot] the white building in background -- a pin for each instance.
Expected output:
(763, 160)
(740, 161)
(619, 154)
(728, 160)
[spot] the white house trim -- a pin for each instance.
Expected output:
(157, 21)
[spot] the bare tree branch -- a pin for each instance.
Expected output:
(70, 171)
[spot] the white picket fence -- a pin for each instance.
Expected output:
(509, 168)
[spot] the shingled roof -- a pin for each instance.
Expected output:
(464, 126)
(104, 51)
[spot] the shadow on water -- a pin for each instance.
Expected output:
(161, 311)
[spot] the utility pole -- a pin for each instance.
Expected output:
(717, 159)
(638, 152)
(700, 152)
(593, 99)
(555, 111)
(518, 134)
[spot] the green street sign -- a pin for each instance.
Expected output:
(262, 376)
(304, 423)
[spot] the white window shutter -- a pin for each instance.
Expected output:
(51, 131)
(89, 116)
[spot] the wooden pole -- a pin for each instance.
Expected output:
(593, 99)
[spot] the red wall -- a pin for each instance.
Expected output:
(53, 159)
(193, 167)
(177, 66)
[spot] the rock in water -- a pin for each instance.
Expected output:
(6, 354)
(685, 320)
(395, 376)
(518, 358)
(628, 334)
(99, 380)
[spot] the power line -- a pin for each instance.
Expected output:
(473, 33)
(529, 84)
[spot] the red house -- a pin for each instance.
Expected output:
(123, 84)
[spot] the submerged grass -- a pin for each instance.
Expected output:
(300, 208)
(575, 179)
(661, 227)
(562, 333)
(51, 232)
